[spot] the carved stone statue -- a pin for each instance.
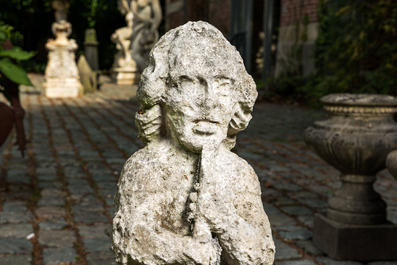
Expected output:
(185, 198)
(122, 38)
(61, 74)
(147, 18)
(136, 40)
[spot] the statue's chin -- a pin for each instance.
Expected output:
(196, 141)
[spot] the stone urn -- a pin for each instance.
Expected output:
(355, 139)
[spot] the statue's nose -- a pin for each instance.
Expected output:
(208, 97)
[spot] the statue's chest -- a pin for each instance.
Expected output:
(173, 208)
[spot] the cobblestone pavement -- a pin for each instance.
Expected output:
(56, 203)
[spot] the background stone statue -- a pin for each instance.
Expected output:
(147, 18)
(135, 41)
(185, 198)
(122, 37)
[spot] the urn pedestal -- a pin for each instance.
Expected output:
(355, 139)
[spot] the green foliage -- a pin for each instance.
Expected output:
(356, 52)
(5, 32)
(7, 67)
(13, 72)
(17, 53)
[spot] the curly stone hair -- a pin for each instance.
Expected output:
(155, 81)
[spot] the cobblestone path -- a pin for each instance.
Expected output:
(56, 203)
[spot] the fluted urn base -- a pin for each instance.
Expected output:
(356, 202)
(355, 242)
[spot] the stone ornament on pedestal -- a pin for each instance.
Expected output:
(61, 74)
(185, 198)
(355, 139)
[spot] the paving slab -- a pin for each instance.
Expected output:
(101, 258)
(20, 260)
(284, 251)
(294, 232)
(15, 246)
(329, 261)
(15, 230)
(15, 217)
(50, 212)
(296, 262)
(59, 256)
(14, 206)
(57, 239)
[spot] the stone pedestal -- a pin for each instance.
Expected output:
(355, 242)
(61, 74)
(126, 76)
(63, 88)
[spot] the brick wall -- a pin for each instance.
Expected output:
(293, 11)
(175, 19)
(220, 14)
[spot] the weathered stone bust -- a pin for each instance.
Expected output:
(185, 198)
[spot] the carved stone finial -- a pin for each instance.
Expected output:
(185, 198)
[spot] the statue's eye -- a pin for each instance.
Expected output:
(186, 82)
(185, 78)
(223, 85)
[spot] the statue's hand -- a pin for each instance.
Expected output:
(148, 122)
(213, 203)
(208, 253)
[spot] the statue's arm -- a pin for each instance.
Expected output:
(157, 15)
(237, 217)
(245, 236)
(139, 237)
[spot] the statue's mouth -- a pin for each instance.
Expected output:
(205, 127)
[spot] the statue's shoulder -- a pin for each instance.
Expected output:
(140, 171)
(234, 162)
(240, 172)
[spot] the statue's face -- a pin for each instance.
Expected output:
(200, 101)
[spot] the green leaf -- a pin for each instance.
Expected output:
(5, 32)
(342, 10)
(17, 53)
(14, 73)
